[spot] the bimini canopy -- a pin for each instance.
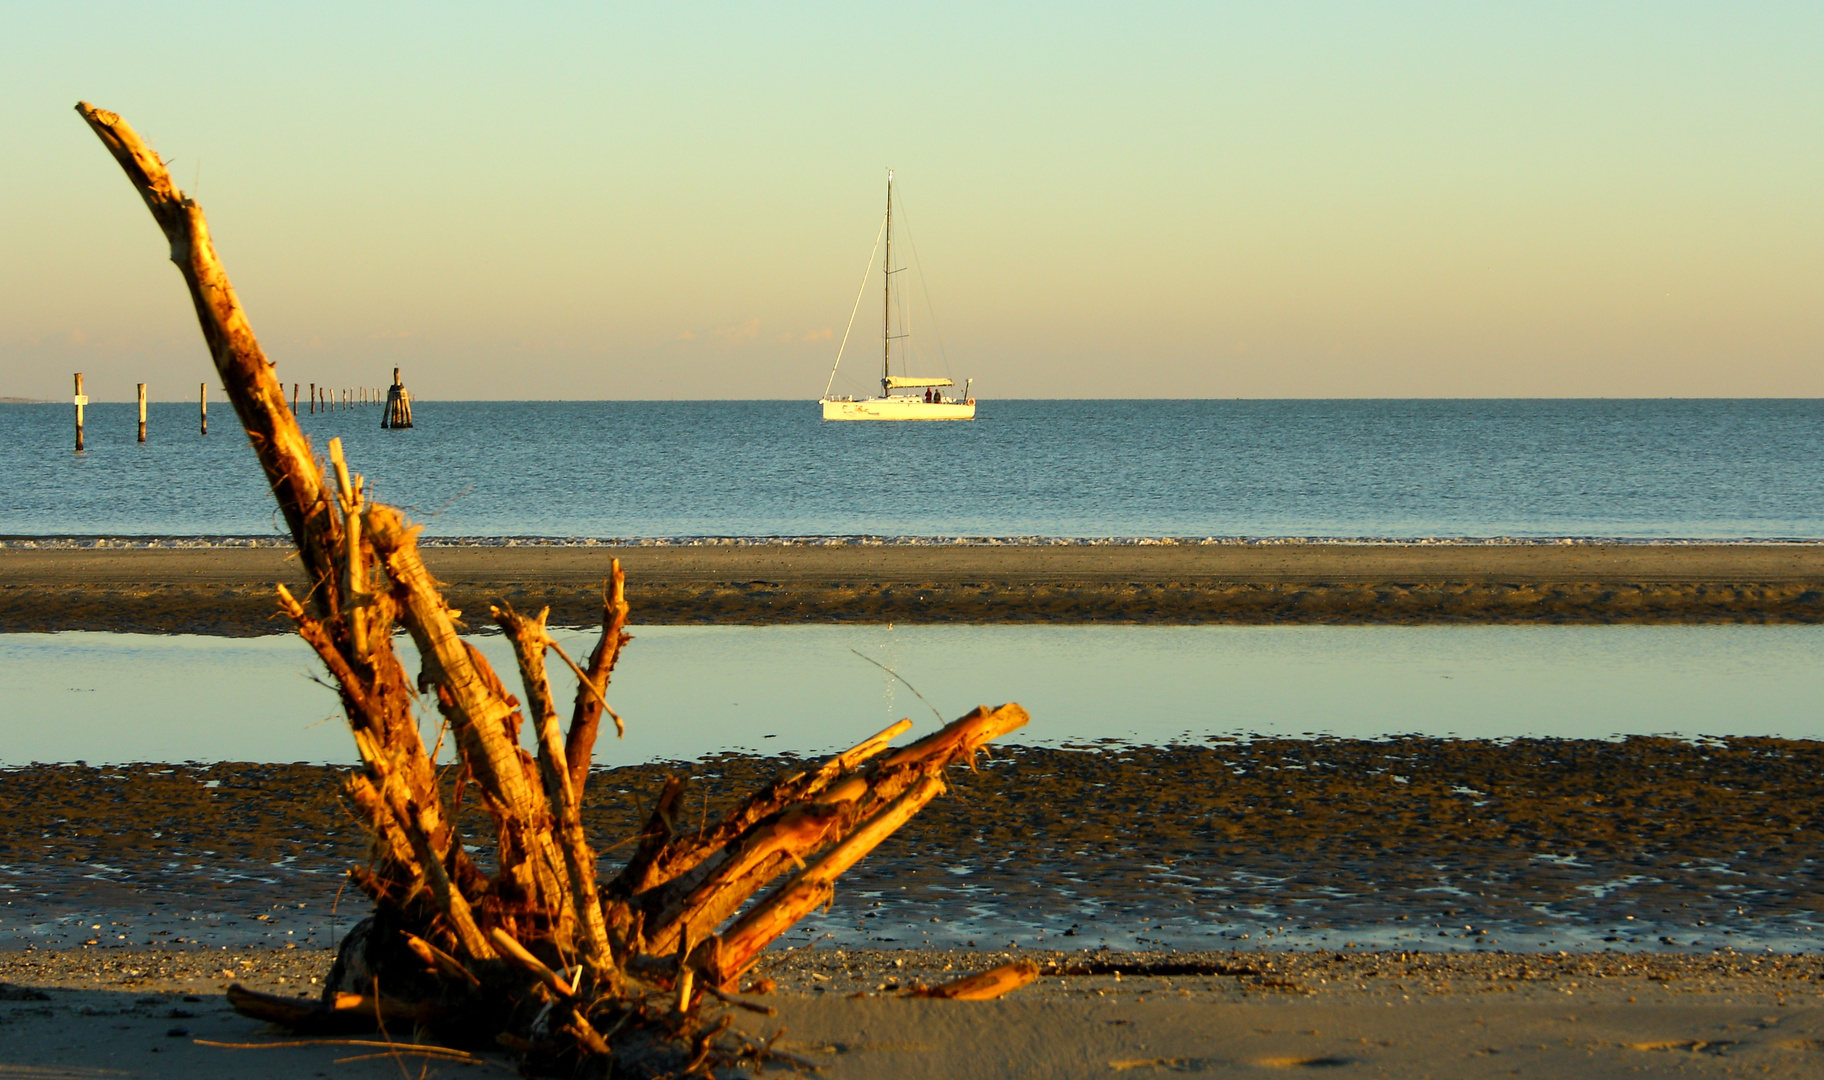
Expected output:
(895, 382)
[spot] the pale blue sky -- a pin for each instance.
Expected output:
(535, 201)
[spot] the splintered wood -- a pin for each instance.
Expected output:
(541, 954)
(984, 986)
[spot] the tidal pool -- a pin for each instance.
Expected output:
(688, 691)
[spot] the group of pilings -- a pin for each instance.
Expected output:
(397, 414)
(82, 400)
(397, 411)
(325, 399)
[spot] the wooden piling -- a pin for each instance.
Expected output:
(398, 412)
(313, 399)
(294, 397)
(142, 412)
(202, 402)
(81, 400)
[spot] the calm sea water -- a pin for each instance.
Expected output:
(1726, 469)
(687, 691)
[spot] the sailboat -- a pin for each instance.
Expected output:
(932, 403)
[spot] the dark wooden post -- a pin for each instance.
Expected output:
(202, 401)
(81, 400)
(398, 412)
(142, 412)
(313, 398)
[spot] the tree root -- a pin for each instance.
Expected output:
(579, 976)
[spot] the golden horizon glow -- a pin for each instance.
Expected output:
(1340, 200)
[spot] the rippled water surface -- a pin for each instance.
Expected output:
(1631, 469)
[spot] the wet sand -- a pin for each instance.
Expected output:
(229, 590)
(1213, 910)
(1417, 844)
(138, 1012)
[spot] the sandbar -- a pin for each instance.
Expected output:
(225, 590)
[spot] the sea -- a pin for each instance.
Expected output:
(1026, 472)
(1023, 471)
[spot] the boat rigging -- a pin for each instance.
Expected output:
(933, 404)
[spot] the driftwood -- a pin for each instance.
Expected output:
(541, 955)
(983, 986)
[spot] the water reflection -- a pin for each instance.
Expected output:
(687, 691)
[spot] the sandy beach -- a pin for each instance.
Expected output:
(229, 590)
(1245, 917)
(1346, 596)
(160, 1013)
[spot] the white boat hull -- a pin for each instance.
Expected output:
(898, 407)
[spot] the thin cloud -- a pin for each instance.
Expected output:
(746, 331)
(824, 334)
(79, 339)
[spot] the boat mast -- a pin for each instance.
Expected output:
(886, 284)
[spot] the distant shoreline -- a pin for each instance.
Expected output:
(228, 590)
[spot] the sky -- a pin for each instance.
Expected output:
(541, 201)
